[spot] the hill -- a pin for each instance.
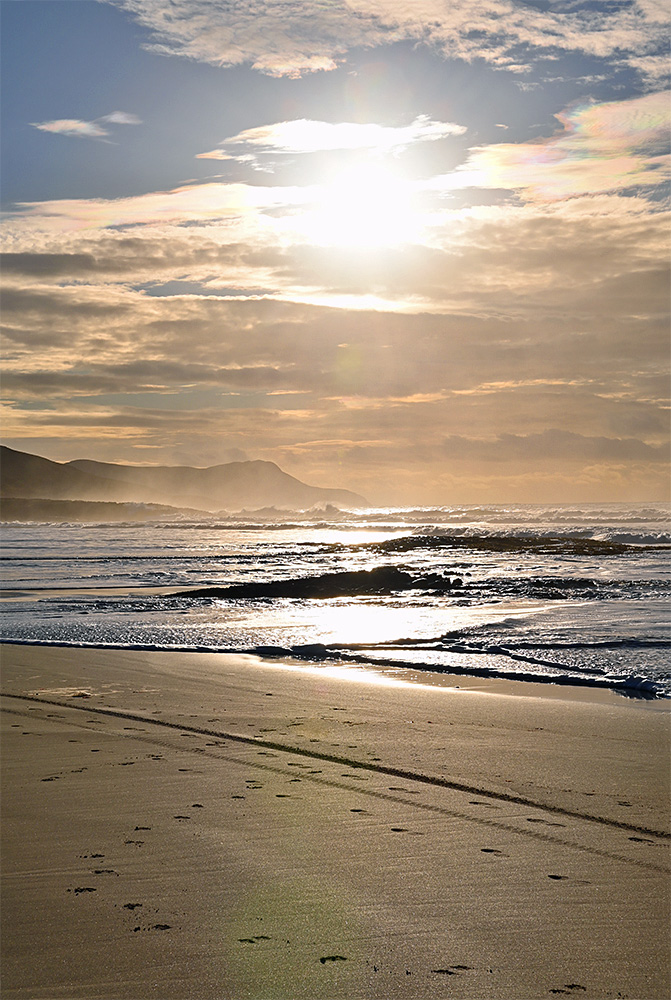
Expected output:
(232, 487)
(28, 509)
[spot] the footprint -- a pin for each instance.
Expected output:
(452, 970)
(492, 850)
(332, 958)
(399, 829)
(558, 878)
(181, 817)
(161, 927)
(131, 906)
(83, 888)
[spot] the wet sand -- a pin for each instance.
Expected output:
(202, 826)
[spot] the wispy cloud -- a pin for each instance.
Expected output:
(87, 130)
(191, 205)
(307, 136)
(292, 37)
(121, 118)
(603, 147)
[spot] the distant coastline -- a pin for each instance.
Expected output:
(171, 490)
(31, 509)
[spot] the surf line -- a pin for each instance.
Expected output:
(393, 772)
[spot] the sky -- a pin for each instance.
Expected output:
(414, 248)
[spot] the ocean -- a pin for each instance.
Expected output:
(554, 594)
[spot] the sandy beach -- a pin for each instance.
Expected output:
(206, 826)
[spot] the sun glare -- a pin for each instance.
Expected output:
(364, 206)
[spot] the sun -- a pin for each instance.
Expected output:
(367, 205)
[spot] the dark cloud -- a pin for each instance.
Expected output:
(552, 445)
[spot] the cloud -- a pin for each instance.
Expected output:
(293, 37)
(516, 261)
(121, 118)
(602, 150)
(306, 136)
(581, 364)
(72, 126)
(190, 205)
(87, 130)
(554, 445)
(614, 146)
(523, 350)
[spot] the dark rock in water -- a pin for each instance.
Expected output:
(381, 580)
(347, 584)
(311, 651)
(505, 543)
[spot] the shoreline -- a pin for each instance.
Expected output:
(392, 671)
(199, 825)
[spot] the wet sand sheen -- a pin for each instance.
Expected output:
(193, 825)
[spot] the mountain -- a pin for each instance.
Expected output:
(233, 487)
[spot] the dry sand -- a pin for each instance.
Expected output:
(206, 826)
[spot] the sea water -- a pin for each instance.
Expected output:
(557, 594)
